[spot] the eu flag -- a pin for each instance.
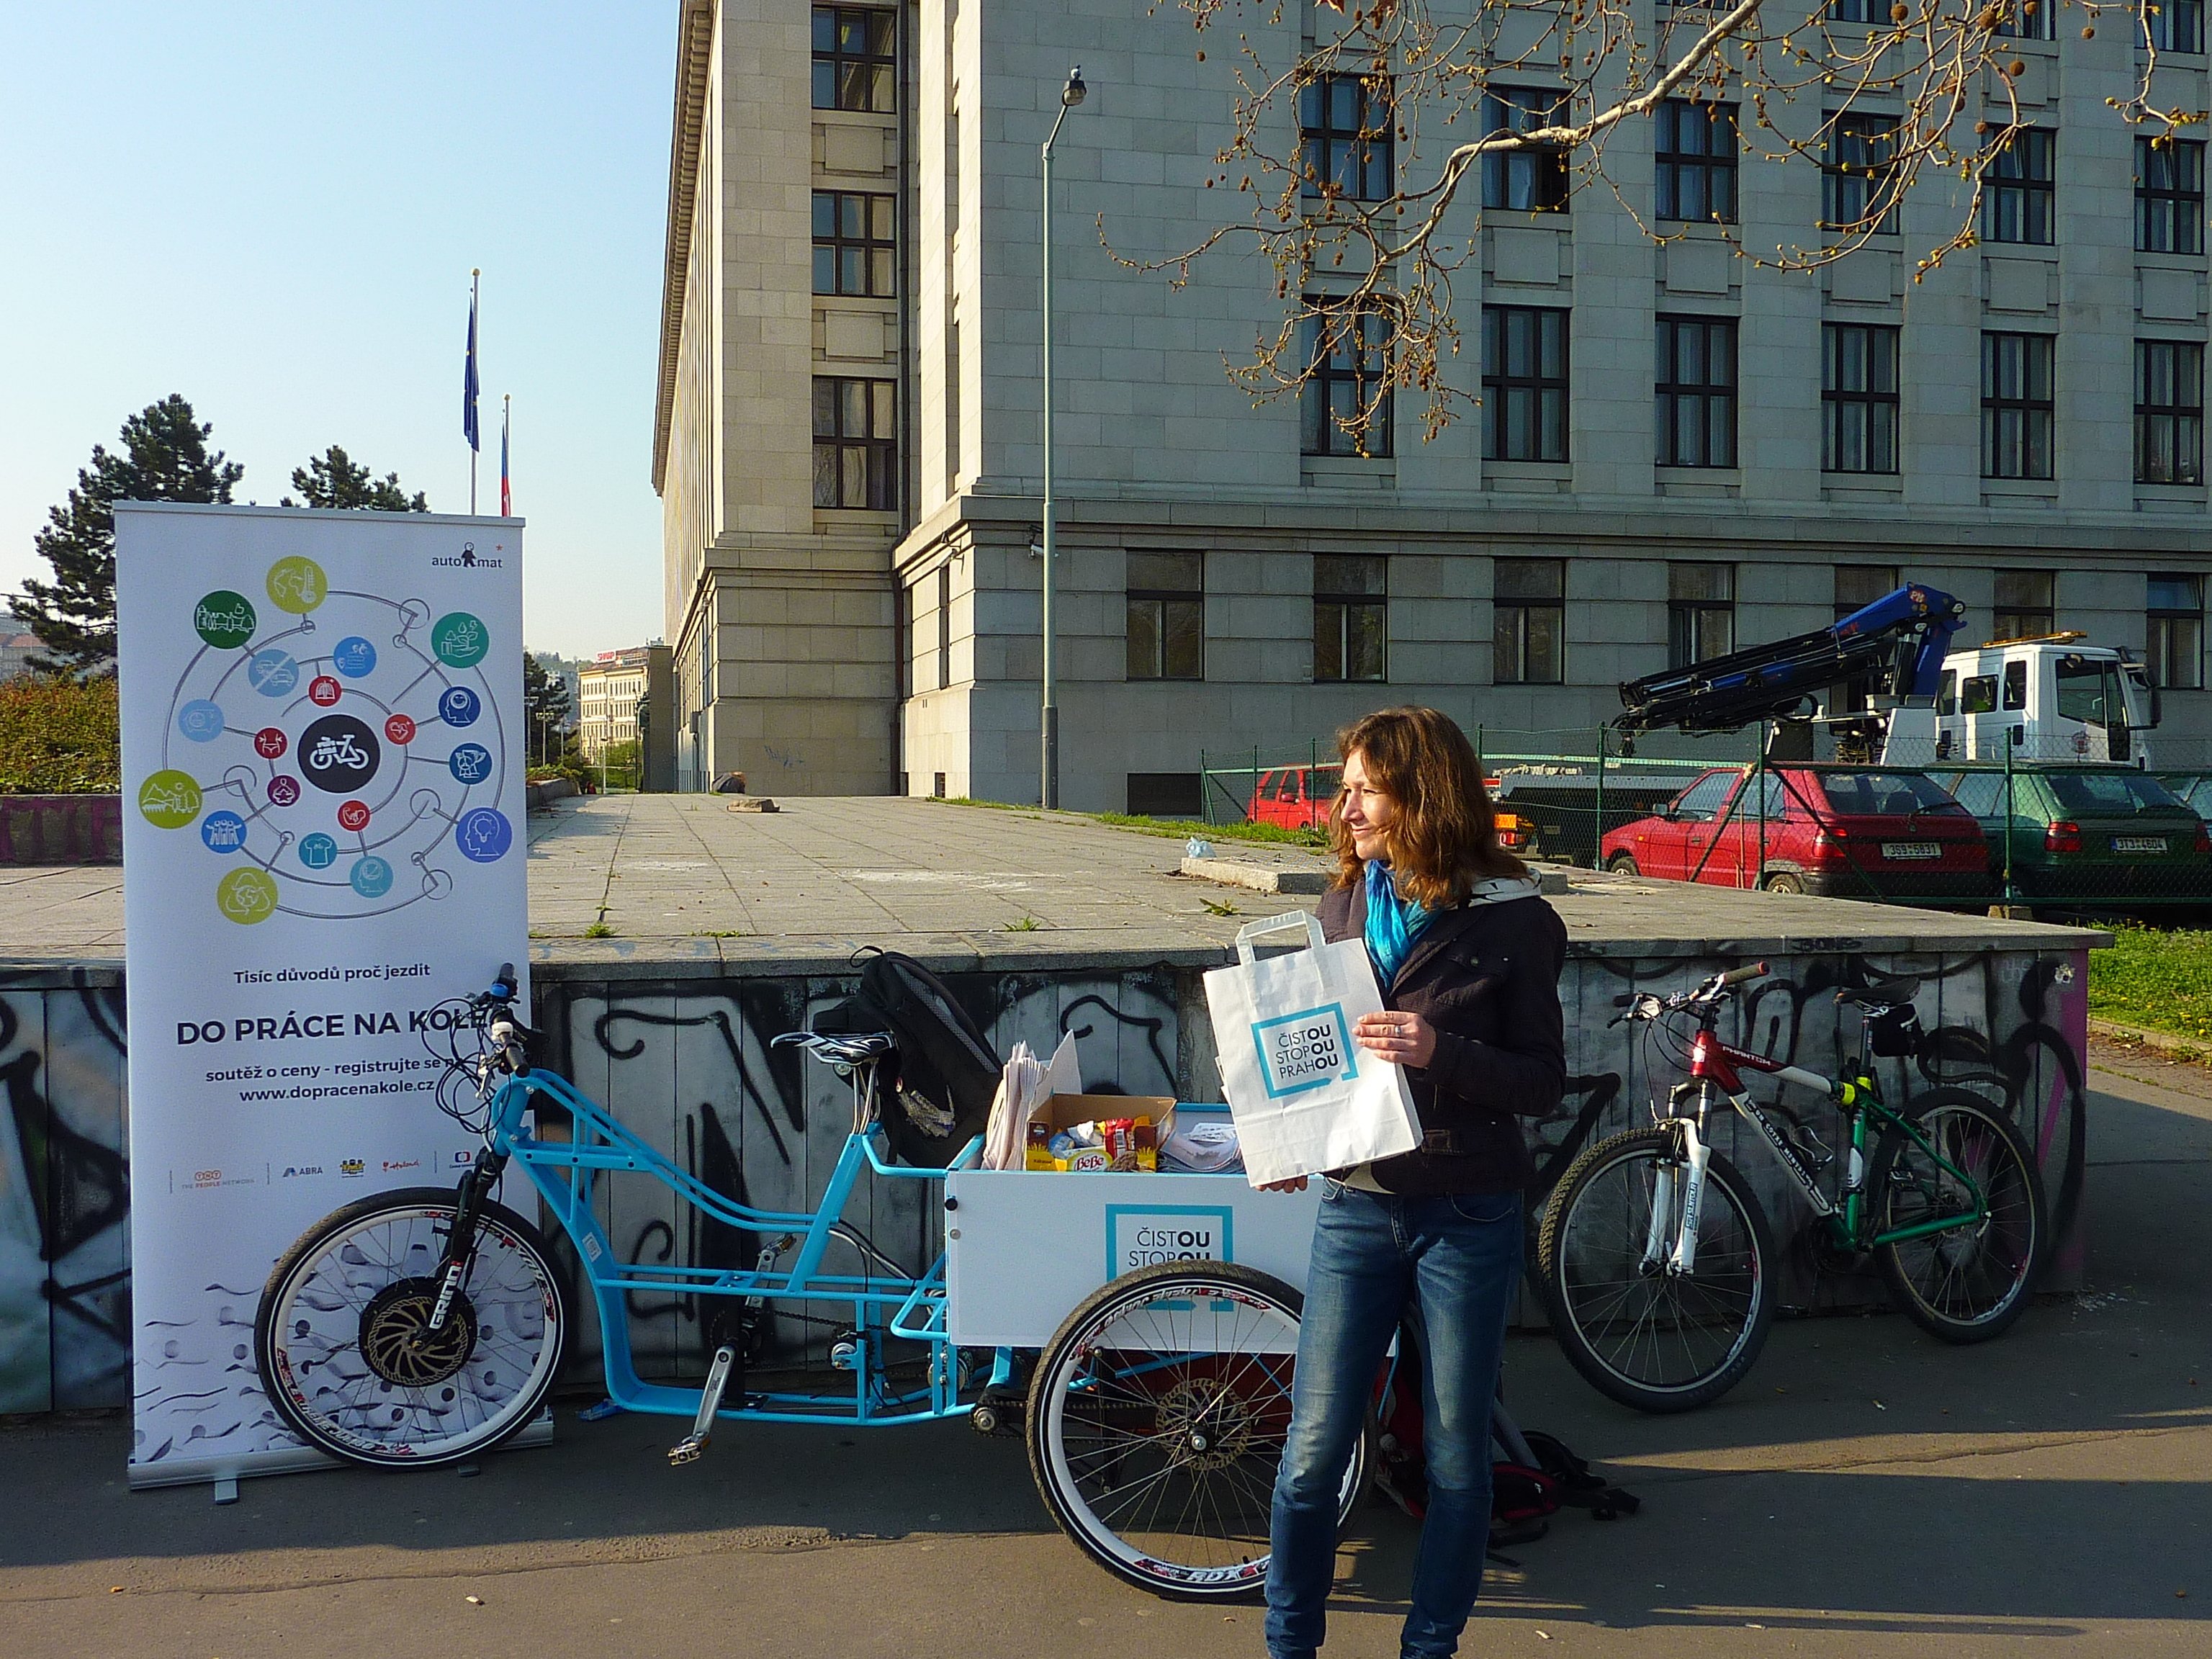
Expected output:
(469, 381)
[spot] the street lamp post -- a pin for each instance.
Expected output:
(1048, 762)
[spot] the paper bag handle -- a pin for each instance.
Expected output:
(1256, 930)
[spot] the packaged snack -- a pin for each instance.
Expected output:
(1037, 1154)
(1083, 1159)
(1145, 1139)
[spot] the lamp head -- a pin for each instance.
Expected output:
(1074, 91)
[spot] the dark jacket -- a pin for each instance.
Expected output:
(1486, 977)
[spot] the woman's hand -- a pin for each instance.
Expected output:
(1295, 1184)
(1393, 1035)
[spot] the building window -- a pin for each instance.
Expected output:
(1524, 383)
(1696, 161)
(855, 444)
(943, 626)
(853, 60)
(1858, 585)
(1859, 398)
(2016, 191)
(1166, 617)
(1349, 602)
(2016, 405)
(1346, 402)
(1858, 181)
(1165, 795)
(1858, 11)
(1525, 181)
(906, 645)
(2169, 196)
(2176, 25)
(2169, 412)
(854, 243)
(1697, 391)
(1701, 613)
(2174, 631)
(2025, 20)
(2024, 608)
(1530, 619)
(1345, 124)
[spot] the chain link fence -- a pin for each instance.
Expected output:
(2054, 835)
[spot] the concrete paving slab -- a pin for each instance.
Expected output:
(1866, 1493)
(676, 879)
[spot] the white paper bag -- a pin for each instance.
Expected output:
(1305, 1097)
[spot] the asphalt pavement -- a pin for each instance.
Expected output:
(1866, 1492)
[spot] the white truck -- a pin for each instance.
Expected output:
(2059, 699)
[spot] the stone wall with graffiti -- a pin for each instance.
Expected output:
(688, 1064)
(64, 1199)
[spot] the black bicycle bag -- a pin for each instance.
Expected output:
(941, 1081)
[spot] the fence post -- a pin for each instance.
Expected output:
(1480, 768)
(2011, 892)
(1759, 876)
(1597, 836)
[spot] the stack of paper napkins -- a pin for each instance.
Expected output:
(1203, 1147)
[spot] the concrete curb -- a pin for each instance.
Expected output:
(2158, 1043)
(1259, 877)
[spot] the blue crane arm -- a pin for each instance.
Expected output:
(1899, 642)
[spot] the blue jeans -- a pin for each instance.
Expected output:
(1372, 1254)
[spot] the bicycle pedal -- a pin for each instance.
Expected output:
(689, 1450)
(692, 1445)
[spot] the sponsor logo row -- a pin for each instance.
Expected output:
(343, 1169)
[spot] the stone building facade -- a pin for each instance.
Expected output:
(847, 444)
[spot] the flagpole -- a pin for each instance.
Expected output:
(474, 275)
(506, 426)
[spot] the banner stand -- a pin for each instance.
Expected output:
(324, 841)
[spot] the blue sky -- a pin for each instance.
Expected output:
(273, 210)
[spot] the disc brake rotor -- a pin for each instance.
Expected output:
(399, 1345)
(1207, 1423)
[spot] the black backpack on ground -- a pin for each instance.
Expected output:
(1533, 1475)
(936, 1091)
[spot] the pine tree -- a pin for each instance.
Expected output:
(334, 479)
(165, 459)
(545, 701)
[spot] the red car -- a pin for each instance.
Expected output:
(1838, 831)
(1295, 797)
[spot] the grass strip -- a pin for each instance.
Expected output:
(2159, 979)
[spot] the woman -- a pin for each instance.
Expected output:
(1468, 959)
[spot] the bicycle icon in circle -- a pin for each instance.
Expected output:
(338, 750)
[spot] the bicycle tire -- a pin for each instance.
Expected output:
(1685, 1341)
(1195, 1398)
(1969, 1284)
(357, 1284)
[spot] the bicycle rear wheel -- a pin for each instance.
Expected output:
(1647, 1337)
(1968, 1283)
(345, 1352)
(1156, 1418)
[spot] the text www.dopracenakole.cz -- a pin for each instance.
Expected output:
(327, 1091)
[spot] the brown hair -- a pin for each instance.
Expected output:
(1444, 839)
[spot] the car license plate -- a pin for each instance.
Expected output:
(2139, 844)
(1911, 849)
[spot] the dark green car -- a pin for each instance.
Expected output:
(2090, 836)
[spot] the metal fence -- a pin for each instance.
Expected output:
(2064, 837)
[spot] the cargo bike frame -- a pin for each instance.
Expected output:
(425, 1325)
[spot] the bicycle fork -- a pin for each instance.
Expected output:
(1681, 1259)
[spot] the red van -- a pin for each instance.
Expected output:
(1838, 831)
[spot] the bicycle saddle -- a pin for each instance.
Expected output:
(1882, 993)
(840, 1048)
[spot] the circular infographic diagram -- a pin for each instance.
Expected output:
(337, 754)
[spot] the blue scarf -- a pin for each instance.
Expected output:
(1392, 924)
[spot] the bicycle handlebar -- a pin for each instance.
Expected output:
(1750, 970)
(1648, 1005)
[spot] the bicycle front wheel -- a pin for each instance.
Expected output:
(1969, 1281)
(1156, 1421)
(345, 1350)
(1638, 1332)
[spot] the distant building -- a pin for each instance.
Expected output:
(610, 690)
(1677, 452)
(18, 643)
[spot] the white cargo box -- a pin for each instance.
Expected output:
(1023, 1246)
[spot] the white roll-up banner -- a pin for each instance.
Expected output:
(323, 838)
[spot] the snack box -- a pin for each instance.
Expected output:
(1065, 1111)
